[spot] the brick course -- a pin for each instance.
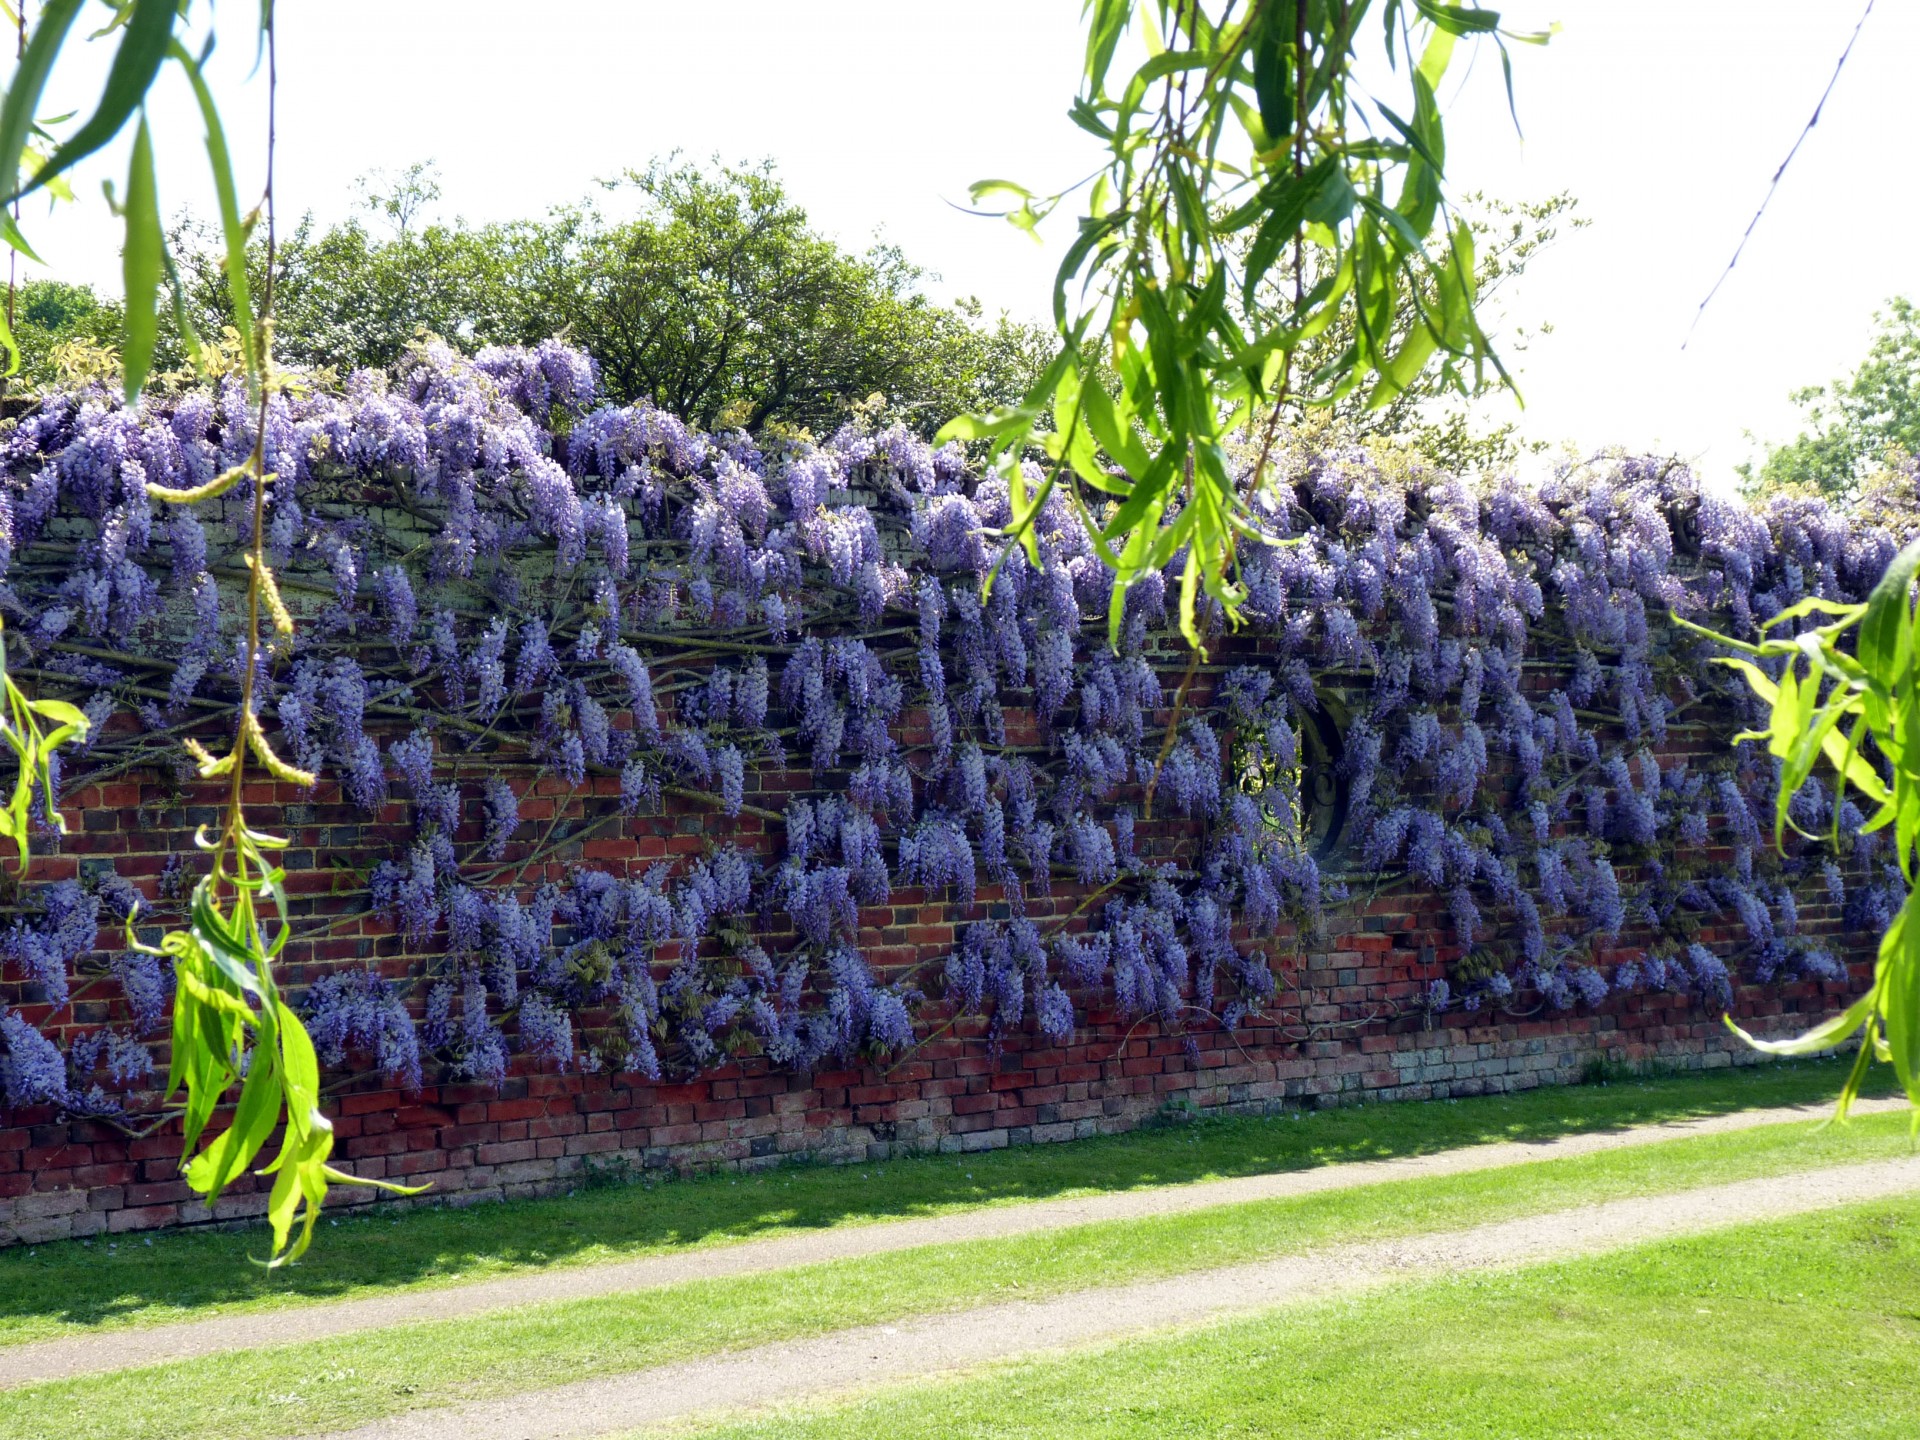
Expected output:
(1339, 1031)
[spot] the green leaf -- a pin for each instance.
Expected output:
(1824, 1036)
(1167, 62)
(1815, 605)
(1103, 37)
(10, 345)
(1115, 435)
(311, 1174)
(1022, 508)
(985, 427)
(1415, 137)
(1004, 425)
(61, 712)
(10, 232)
(1170, 538)
(1411, 240)
(1333, 206)
(1886, 640)
(283, 1202)
(22, 99)
(233, 229)
(135, 63)
(1092, 233)
(223, 941)
(1899, 983)
(1083, 114)
(1459, 19)
(205, 1078)
(1284, 199)
(1399, 373)
(214, 1168)
(142, 267)
(982, 190)
(302, 1065)
(1149, 494)
(1273, 68)
(1439, 52)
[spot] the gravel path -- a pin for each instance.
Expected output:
(127, 1347)
(856, 1359)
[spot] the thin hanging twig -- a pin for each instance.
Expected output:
(1774, 185)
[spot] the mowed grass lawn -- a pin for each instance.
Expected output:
(1806, 1329)
(351, 1379)
(71, 1286)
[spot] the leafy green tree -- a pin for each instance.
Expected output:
(60, 327)
(717, 300)
(1860, 426)
(349, 297)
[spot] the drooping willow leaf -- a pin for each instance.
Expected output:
(234, 229)
(1826, 707)
(142, 267)
(231, 1026)
(22, 101)
(33, 744)
(143, 46)
(1168, 294)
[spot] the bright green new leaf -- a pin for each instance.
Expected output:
(1824, 1036)
(1820, 690)
(233, 228)
(61, 713)
(142, 267)
(1886, 630)
(149, 28)
(22, 100)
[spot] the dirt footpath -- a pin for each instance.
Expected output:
(126, 1348)
(855, 1359)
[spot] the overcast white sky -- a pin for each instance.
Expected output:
(1665, 117)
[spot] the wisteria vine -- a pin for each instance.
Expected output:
(503, 581)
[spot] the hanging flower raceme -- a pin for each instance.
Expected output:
(574, 597)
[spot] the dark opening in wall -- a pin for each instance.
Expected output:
(1323, 783)
(1303, 798)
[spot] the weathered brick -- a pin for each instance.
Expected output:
(1324, 1040)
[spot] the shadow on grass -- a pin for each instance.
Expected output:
(155, 1278)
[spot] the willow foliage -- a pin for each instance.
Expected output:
(1240, 149)
(1858, 715)
(230, 1025)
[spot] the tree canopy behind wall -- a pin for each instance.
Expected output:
(1860, 429)
(716, 300)
(65, 332)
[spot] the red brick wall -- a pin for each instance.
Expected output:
(1338, 1032)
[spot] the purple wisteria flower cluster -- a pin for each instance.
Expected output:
(501, 579)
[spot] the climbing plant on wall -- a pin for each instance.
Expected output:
(501, 581)
(468, 573)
